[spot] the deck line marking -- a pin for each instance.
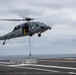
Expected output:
(40, 69)
(48, 70)
(50, 66)
(54, 66)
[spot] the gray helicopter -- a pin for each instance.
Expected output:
(25, 29)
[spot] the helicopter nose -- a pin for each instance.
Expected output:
(49, 28)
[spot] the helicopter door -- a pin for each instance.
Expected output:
(25, 30)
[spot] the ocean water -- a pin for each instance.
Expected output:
(45, 56)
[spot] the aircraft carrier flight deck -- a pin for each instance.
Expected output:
(43, 67)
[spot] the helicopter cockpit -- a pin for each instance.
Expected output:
(16, 28)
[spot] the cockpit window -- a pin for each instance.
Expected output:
(16, 28)
(42, 23)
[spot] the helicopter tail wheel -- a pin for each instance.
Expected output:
(39, 35)
(4, 42)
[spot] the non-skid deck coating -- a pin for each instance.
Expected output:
(44, 66)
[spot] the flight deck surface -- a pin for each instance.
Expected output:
(44, 67)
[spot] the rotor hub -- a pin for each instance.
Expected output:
(29, 19)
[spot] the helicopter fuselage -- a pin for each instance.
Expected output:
(26, 29)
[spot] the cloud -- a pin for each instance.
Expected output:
(60, 14)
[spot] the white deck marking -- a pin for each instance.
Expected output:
(50, 66)
(37, 69)
(19, 65)
(36, 65)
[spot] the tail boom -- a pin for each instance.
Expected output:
(0, 38)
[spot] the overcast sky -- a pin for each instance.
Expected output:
(59, 14)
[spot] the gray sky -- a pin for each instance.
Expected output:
(59, 14)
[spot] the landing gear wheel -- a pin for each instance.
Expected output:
(39, 35)
(30, 34)
(4, 42)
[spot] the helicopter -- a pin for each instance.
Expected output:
(25, 29)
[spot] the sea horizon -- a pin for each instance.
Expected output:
(39, 56)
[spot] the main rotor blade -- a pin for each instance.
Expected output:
(12, 19)
(25, 19)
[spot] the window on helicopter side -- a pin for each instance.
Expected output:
(43, 24)
(16, 28)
